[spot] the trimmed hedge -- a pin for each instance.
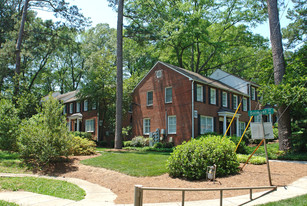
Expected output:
(190, 160)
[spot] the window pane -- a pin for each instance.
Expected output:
(94, 106)
(206, 124)
(172, 124)
(149, 98)
(71, 108)
(235, 101)
(78, 107)
(168, 95)
(199, 93)
(90, 125)
(146, 126)
(212, 96)
(244, 104)
(224, 99)
(85, 106)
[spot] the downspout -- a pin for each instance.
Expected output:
(192, 109)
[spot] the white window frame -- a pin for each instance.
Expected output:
(146, 126)
(71, 108)
(147, 99)
(171, 127)
(253, 93)
(212, 96)
(65, 109)
(94, 106)
(241, 128)
(225, 100)
(236, 102)
(90, 125)
(244, 101)
(78, 107)
(166, 100)
(199, 93)
(204, 126)
(85, 105)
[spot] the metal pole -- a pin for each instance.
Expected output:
(182, 203)
(251, 194)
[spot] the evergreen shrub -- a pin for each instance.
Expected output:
(190, 160)
(82, 146)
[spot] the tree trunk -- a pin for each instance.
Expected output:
(119, 85)
(284, 121)
(18, 47)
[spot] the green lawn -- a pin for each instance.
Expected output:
(4, 203)
(56, 188)
(10, 163)
(132, 163)
(296, 201)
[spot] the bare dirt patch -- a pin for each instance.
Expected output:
(123, 185)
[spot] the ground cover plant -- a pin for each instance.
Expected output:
(56, 188)
(190, 160)
(255, 160)
(4, 203)
(131, 163)
(297, 201)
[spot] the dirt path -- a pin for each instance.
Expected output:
(123, 185)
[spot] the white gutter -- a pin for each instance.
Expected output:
(192, 108)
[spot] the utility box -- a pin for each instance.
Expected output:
(211, 171)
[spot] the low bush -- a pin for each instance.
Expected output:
(190, 160)
(84, 135)
(149, 149)
(158, 145)
(242, 149)
(255, 160)
(139, 141)
(127, 143)
(81, 146)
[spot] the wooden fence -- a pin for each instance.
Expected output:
(138, 192)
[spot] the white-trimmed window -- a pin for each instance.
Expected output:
(168, 95)
(199, 93)
(94, 106)
(90, 125)
(85, 105)
(253, 93)
(206, 124)
(71, 108)
(65, 109)
(241, 128)
(212, 96)
(146, 126)
(78, 107)
(171, 124)
(244, 104)
(150, 98)
(234, 101)
(224, 99)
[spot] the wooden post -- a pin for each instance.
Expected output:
(251, 194)
(138, 200)
(267, 160)
(221, 197)
(182, 203)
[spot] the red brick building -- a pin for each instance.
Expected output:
(183, 104)
(81, 115)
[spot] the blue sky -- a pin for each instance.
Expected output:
(100, 12)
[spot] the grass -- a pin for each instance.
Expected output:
(4, 203)
(10, 163)
(273, 151)
(255, 160)
(297, 201)
(132, 163)
(56, 188)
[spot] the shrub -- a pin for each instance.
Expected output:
(81, 146)
(127, 143)
(158, 145)
(44, 138)
(9, 122)
(139, 141)
(84, 135)
(242, 149)
(190, 160)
